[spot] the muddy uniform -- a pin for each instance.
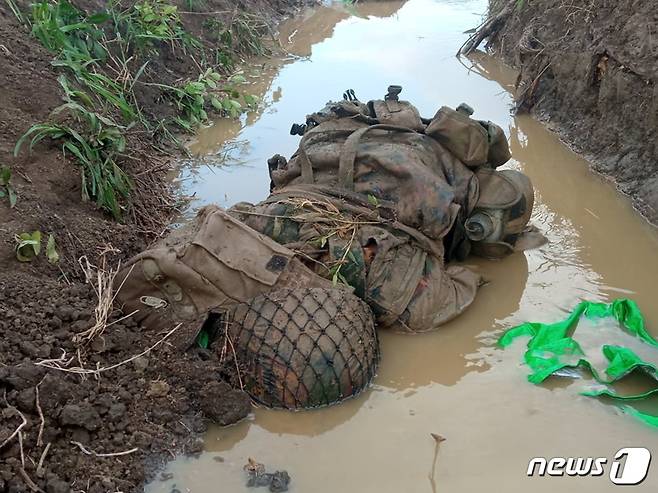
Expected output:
(374, 200)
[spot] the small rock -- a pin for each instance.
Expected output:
(83, 415)
(158, 388)
(55, 485)
(116, 411)
(141, 364)
(224, 405)
(280, 482)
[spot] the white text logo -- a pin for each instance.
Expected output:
(630, 466)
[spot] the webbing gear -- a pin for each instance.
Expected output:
(393, 93)
(350, 149)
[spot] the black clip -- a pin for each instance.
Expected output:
(349, 95)
(393, 93)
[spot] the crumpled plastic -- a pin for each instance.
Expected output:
(552, 348)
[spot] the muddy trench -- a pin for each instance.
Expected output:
(172, 421)
(455, 383)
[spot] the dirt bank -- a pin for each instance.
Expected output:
(56, 425)
(590, 70)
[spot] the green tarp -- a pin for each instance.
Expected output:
(552, 348)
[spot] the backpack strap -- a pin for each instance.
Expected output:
(306, 166)
(350, 149)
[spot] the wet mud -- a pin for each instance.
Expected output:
(455, 383)
(591, 72)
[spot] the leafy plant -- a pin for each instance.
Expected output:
(95, 141)
(107, 90)
(194, 98)
(61, 27)
(242, 35)
(6, 189)
(154, 21)
(51, 250)
(28, 246)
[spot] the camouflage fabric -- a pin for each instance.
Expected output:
(407, 285)
(422, 184)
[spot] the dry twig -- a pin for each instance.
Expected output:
(87, 451)
(56, 364)
(17, 431)
(38, 406)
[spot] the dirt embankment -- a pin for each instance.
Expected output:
(590, 69)
(141, 411)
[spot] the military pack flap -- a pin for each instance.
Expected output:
(222, 262)
(240, 248)
(400, 113)
(464, 137)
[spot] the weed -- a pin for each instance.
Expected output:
(154, 21)
(95, 141)
(28, 245)
(6, 189)
(107, 90)
(242, 35)
(193, 98)
(61, 27)
(51, 250)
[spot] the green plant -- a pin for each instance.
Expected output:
(107, 90)
(95, 141)
(51, 250)
(28, 246)
(193, 98)
(6, 189)
(242, 35)
(61, 27)
(154, 21)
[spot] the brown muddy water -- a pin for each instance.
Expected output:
(454, 382)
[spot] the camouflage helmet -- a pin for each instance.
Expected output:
(305, 347)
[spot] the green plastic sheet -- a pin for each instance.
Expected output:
(552, 348)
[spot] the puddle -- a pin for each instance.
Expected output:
(453, 382)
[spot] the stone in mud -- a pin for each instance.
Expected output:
(22, 376)
(55, 485)
(158, 388)
(26, 399)
(222, 404)
(53, 391)
(83, 415)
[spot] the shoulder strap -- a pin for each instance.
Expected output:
(350, 149)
